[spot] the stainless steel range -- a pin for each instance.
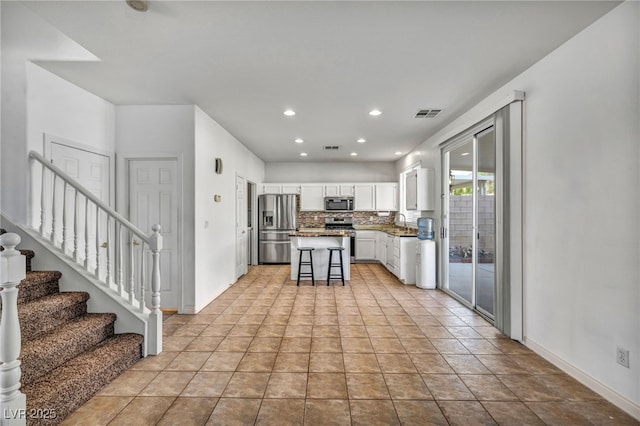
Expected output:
(343, 224)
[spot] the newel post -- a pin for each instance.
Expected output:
(13, 403)
(155, 318)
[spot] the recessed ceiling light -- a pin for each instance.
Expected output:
(289, 113)
(303, 154)
(138, 5)
(398, 152)
(361, 140)
(375, 112)
(298, 140)
(353, 154)
(464, 153)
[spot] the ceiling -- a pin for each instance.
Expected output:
(244, 63)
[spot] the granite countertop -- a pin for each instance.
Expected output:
(396, 231)
(320, 232)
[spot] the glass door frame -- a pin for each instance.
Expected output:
(469, 136)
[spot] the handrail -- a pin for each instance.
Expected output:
(77, 186)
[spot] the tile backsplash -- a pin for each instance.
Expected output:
(309, 219)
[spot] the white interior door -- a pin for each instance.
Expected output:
(92, 170)
(154, 198)
(241, 227)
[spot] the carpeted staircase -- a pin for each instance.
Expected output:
(67, 355)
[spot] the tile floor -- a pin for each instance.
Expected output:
(374, 352)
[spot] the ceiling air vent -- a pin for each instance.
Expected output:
(331, 147)
(428, 113)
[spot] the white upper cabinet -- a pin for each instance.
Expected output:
(364, 197)
(420, 190)
(279, 188)
(312, 197)
(386, 196)
(338, 190)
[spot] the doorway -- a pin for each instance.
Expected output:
(242, 238)
(469, 219)
(252, 212)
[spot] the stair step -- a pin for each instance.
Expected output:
(46, 313)
(38, 284)
(50, 350)
(73, 383)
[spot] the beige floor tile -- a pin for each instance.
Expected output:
(156, 362)
(188, 411)
(271, 330)
(204, 343)
(430, 363)
(463, 332)
(567, 388)
(219, 330)
(300, 320)
(326, 344)
(512, 413)
(387, 345)
(168, 383)
(420, 345)
(396, 363)
(326, 362)
(281, 412)
(373, 412)
(223, 361)
(257, 361)
(129, 383)
(407, 386)
(327, 386)
(246, 385)
(325, 331)
(447, 387)
(143, 410)
(449, 346)
(487, 387)
(327, 412)
(356, 345)
(466, 364)
(188, 361)
(419, 413)
(353, 331)
(465, 413)
(176, 343)
(287, 385)
(361, 363)
(298, 331)
(234, 344)
(501, 364)
(296, 344)
(235, 411)
(99, 410)
(265, 344)
(191, 330)
(207, 384)
(244, 330)
(292, 362)
(527, 388)
(480, 346)
(367, 386)
(350, 319)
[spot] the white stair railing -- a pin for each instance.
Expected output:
(114, 251)
(13, 403)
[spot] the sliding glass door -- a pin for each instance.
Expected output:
(469, 219)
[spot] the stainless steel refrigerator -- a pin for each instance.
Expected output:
(276, 219)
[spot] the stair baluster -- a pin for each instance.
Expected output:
(134, 243)
(64, 218)
(119, 260)
(13, 403)
(75, 226)
(86, 234)
(53, 211)
(97, 242)
(155, 318)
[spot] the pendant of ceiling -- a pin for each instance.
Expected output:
(139, 5)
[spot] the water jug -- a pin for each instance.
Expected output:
(425, 228)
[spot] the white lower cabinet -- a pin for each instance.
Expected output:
(381, 247)
(366, 245)
(399, 257)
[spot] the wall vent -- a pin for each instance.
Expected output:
(428, 113)
(331, 147)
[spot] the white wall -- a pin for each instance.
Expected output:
(582, 204)
(303, 171)
(157, 131)
(215, 244)
(26, 37)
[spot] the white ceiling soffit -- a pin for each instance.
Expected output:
(244, 63)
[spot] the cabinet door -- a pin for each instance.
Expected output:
(312, 197)
(291, 189)
(386, 196)
(381, 247)
(365, 248)
(411, 191)
(365, 197)
(346, 190)
(331, 190)
(269, 188)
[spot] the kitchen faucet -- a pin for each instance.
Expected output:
(404, 218)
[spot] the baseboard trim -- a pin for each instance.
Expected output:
(595, 385)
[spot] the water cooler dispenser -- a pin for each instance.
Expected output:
(425, 255)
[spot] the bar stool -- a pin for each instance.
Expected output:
(303, 250)
(335, 265)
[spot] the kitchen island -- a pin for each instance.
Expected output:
(320, 240)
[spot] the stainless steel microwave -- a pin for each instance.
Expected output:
(340, 204)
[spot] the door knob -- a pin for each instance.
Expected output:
(135, 243)
(104, 245)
